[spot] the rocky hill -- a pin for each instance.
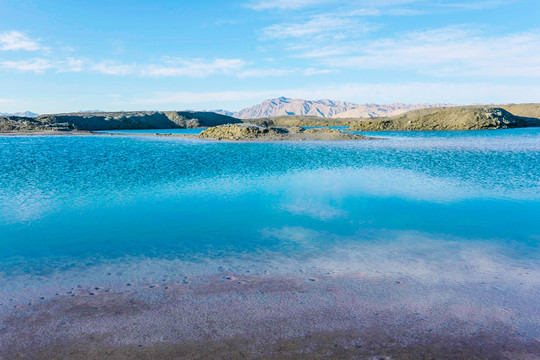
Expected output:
(322, 108)
(19, 123)
(523, 110)
(115, 121)
(455, 118)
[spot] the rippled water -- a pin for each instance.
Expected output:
(448, 206)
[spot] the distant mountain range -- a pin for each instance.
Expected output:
(323, 108)
(320, 108)
(22, 114)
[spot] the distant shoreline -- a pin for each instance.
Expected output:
(151, 133)
(429, 119)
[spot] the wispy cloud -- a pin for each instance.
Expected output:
(112, 68)
(450, 51)
(33, 65)
(320, 35)
(314, 52)
(392, 7)
(170, 67)
(339, 28)
(16, 40)
(41, 65)
(71, 64)
(317, 71)
(194, 67)
(328, 26)
(264, 72)
(474, 5)
(283, 4)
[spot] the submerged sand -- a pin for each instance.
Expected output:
(232, 316)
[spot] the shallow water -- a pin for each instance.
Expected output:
(435, 207)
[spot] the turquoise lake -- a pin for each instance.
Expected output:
(110, 210)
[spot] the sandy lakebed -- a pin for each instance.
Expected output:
(250, 317)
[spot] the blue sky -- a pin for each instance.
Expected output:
(58, 55)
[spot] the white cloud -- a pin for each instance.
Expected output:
(72, 65)
(16, 40)
(474, 5)
(393, 7)
(301, 4)
(264, 72)
(322, 51)
(315, 71)
(34, 65)
(450, 51)
(326, 26)
(283, 4)
(193, 67)
(40, 65)
(170, 67)
(320, 35)
(112, 68)
(174, 67)
(344, 27)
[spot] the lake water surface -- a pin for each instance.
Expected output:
(437, 208)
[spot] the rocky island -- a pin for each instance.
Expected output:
(254, 132)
